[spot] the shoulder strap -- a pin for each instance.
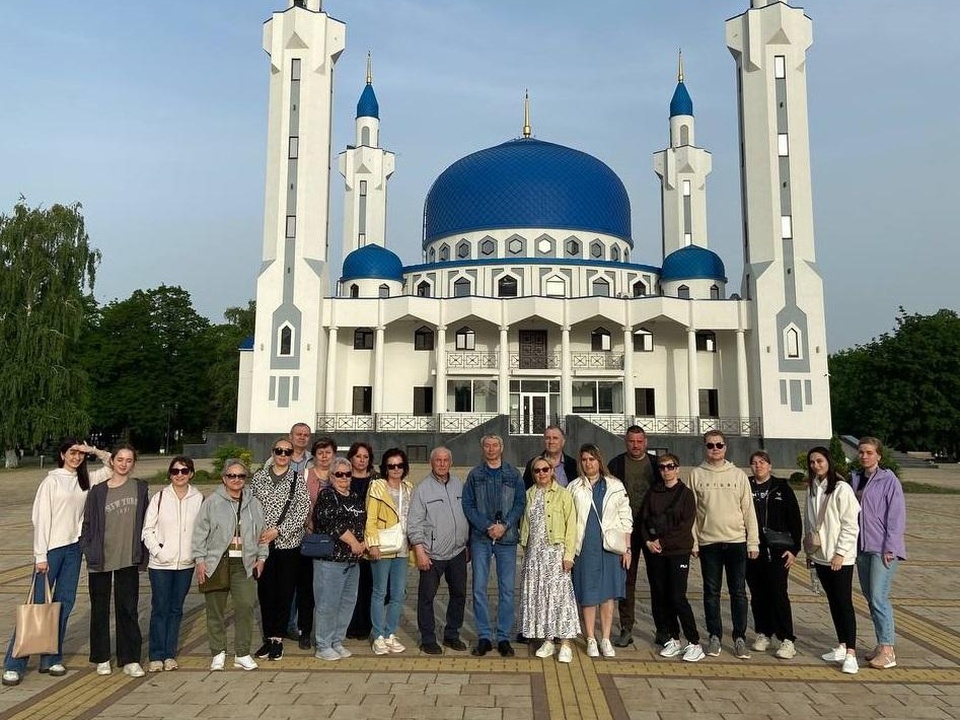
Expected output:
(286, 507)
(822, 512)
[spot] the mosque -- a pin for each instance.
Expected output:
(529, 305)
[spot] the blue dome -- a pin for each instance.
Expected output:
(372, 262)
(368, 106)
(681, 104)
(527, 183)
(692, 263)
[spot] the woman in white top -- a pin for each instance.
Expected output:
(57, 519)
(168, 533)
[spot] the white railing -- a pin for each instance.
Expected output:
(698, 425)
(401, 422)
(524, 361)
(596, 360)
(473, 360)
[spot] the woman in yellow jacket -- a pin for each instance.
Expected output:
(548, 535)
(388, 501)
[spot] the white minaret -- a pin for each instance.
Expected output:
(683, 170)
(366, 167)
(303, 44)
(788, 351)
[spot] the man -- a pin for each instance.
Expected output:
(300, 439)
(493, 501)
(564, 467)
(638, 470)
(438, 532)
(724, 536)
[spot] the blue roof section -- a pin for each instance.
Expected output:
(681, 104)
(527, 183)
(368, 106)
(246, 343)
(372, 262)
(692, 263)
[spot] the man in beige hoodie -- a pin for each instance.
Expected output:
(725, 534)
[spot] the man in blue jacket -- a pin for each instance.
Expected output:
(493, 501)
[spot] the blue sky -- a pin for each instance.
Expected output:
(153, 115)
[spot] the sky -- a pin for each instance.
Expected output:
(153, 116)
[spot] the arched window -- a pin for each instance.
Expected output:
(554, 287)
(445, 253)
(461, 287)
(466, 339)
(285, 344)
(714, 292)
(507, 286)
(423, 289)
(643, 340)
(601, 287)
(365, 136)
(384, 290)
(363, 339)
(684, 135)
(791, 343)
(706, 341)
(600, 340)
(639, 288)
(354, 290)
(423, 338)
(683, 292)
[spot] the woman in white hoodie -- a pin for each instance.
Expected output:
(57, 519)
(168, 534)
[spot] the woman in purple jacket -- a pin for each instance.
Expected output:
(882, 521)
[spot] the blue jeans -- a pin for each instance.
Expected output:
(168, 589)
(63, 572)
(481, 551)
(714, 559)
(390, 573)
(334, 594)
(875, 581)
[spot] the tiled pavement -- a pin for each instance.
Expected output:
(637, 684)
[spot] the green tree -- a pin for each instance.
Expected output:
(224, 368)
(48, 267)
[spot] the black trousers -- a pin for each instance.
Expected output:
(769, 599)
(125, 584)
(838, 587)
(627, 607)
(360, 624)
(275, 590)
(305, 596)
(454, 571)
(668, 589)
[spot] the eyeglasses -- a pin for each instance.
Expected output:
(668, 466)
(715, 446)
(541, 470)
(341, 474)
(394, 466)
(283, 451)
(235, 476)
(180, 471)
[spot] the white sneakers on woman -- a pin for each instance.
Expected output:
(218, 660)
(546, 650)
(606, 648)
(104, 668)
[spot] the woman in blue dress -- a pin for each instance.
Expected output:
(600, 574)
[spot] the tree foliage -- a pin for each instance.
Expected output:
(224, 369)
(903, 387)
(47, 268)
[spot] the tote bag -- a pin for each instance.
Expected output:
(38, 625)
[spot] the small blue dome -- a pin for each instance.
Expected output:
(681, 104)
(527, 183)
(368, 105)
(372, 262)
(692, 263)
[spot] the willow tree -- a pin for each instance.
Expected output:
(47, 271)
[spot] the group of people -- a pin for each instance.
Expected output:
(581, 525)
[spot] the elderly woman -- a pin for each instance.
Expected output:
(111, 541)
(360, 456)
(883, 519)
(340, 513)
(57, 520)
(168, 534)
(282, 493)
(230, 555)
(600, 567)
(548, 536)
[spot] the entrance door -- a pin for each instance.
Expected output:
(534, 411)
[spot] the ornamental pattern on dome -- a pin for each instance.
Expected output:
(527, 183)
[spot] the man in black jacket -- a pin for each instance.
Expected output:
(638, 470)
(564, 467)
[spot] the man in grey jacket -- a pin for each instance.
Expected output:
(438, 533)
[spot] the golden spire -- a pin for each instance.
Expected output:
(369, 69)
(526, 113)
(680, 65)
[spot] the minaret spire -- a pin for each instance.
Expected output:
(526, 113)
(369, 69)
(680, 65)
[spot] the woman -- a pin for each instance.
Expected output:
(111, 540)
(781, 531)
(387, 505)
(340, 513)
(360, 456)
(282, 493)
(667, 514)
(883, 517)
(599, 575)
(831, 529)
(227, 530)
(548, 536)
(57, 520)
(168, 534)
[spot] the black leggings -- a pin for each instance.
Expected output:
(838, 586)
(769, 599)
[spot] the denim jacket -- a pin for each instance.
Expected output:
(484, 496)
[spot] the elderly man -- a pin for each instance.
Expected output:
(438, 532)
(493, 501)
(564, 467)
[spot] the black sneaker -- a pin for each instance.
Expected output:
(521, 640)
(431, 648)
(265, 649)
(483, 647)
(303, 642)
(625, 638)
(505, 648)
(276, 650)
(456, 644)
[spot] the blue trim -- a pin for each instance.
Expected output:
(599, 264)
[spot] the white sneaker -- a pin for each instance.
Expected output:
(546, 650)
(671, 649)
(850, 664)
(393, 644)
(133, 670)
(761, 643)
(11, 678)
(566, 654)
(245, 662)
(693, 653)
(837, 655)
(380, 646)
(592, 650)
(786, 651)
(155, 666)
(606, 648)
(218, 660)
(103, 668)
(341, 651)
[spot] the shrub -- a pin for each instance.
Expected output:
(225, 452)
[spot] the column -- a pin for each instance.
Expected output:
(566, 379)
(503, 389)
(743, 398)
(629, 396)
(378, 371)
(693, 382)
(330, 384)
(440, 385)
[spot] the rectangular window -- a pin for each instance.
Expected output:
(295, 69)
(642, 341)
(687, 239)
(686, 188)
(786, 227)
(291, 226)
(783, 145)
(646, 402)
(709, 403)
(423, 401)
(362, 400)
(363, 188)
(293, 149)
(779, 66)
(472, 395)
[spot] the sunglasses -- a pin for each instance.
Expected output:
(341, 474)
(715, 446)
(541, 470)
(180, 471)
(668, 466)
(394, 466)
(283, 451)
(235, 476)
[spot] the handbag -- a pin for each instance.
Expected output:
(775, 539)
(318, 545)
(220, 579)
(38, 625)
(391, 538)
(811, 539)
(614, 539)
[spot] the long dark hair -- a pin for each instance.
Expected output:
(83, 475)
(832, 476)
(392, 453)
